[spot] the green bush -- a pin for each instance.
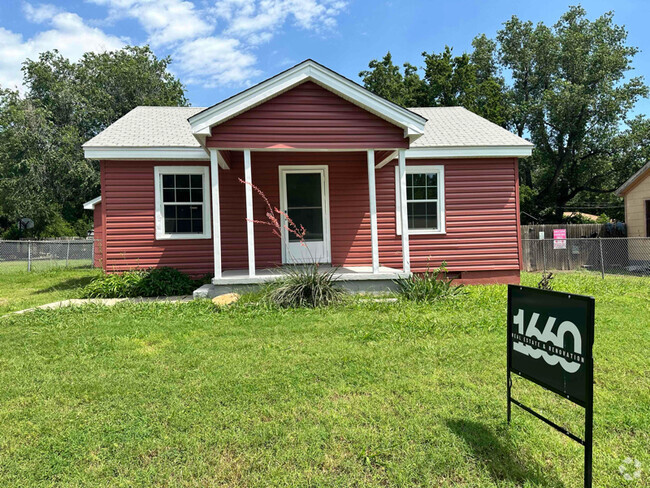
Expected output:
(428, 286)
(141, 283)
(303, 286)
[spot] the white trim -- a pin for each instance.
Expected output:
(406, 252)
(216, 212)
(307, 168)
(202, 122)
(386, 160)
(160, 221)
(469, 152)
(250, 229)
(372, 195)
(159, 153)
(428, 168)
(90, 204)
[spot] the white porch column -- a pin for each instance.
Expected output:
(216, 212)
(372, 193)
(406, 258)
(248, 176)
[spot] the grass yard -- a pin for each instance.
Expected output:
(20, 289)
(363, 394)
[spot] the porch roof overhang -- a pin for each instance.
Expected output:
(201, 123)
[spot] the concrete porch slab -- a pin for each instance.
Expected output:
(355, 279)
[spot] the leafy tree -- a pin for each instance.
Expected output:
(43, 172)
(568, 91)
(571, 96)
(471, 81)
(385, 79)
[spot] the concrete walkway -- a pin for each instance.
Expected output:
(108, 302)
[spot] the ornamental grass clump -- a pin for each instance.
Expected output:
(304, 286)
(428, 286)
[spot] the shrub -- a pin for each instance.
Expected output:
(141, 283)
(304, 286)
(428, 286)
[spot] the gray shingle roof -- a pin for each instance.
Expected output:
(149, 127)
(458, 127)
(168, 127)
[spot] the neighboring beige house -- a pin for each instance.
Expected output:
(636, 193)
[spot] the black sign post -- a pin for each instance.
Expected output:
(550, 341)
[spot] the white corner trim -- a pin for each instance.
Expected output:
(469, 152)
(160, 220)
(216, 212)
(372, 194)
(401, 190)
(412, 123)
(386, 160)
(90, 204)
(250, 229)
(428, 168)
(158, 153)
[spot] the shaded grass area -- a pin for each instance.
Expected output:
(362, 394)
(20, 289)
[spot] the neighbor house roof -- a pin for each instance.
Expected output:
(638, 176)
(152, 131)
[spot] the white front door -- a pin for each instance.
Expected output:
(304, 196)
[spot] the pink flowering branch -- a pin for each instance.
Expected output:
(273, 221)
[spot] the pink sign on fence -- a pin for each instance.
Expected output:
(559, 238)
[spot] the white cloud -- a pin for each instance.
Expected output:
(255, 18)
(40, 13)
(164, 21)
(212, 61)
(212, 41)
(68, 33)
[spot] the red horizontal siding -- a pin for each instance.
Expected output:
(98, 235)
(307, 117)
(481, 218)
(129, 223)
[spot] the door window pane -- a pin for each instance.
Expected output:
(305, 204)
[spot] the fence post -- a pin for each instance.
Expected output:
(67, 254)
(29, 256)
(602, 261)
(543, 241)
(92, 253)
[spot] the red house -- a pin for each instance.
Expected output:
(382, 190)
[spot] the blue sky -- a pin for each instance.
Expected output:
(221, 46)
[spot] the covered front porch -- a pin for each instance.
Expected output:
(341, 222)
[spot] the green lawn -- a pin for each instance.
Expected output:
(20, 289)
(365, 394)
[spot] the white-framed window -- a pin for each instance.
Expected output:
(425, 199)
(182, 202)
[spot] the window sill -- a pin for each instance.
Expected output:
(425, 233)
(174, 237)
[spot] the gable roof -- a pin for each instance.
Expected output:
(309, 70)
(638, 176)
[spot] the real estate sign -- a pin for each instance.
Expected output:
(550, 340)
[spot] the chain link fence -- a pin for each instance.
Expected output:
(42, 255)
(604, 255)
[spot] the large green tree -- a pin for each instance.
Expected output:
(571, 95)
(565, 87)
(43, 172)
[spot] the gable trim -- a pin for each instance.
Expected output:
(309, 70)
(631, 182)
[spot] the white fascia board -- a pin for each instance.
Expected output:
(309, 70)
(469, 152)
(158, 153)
(90, 205)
